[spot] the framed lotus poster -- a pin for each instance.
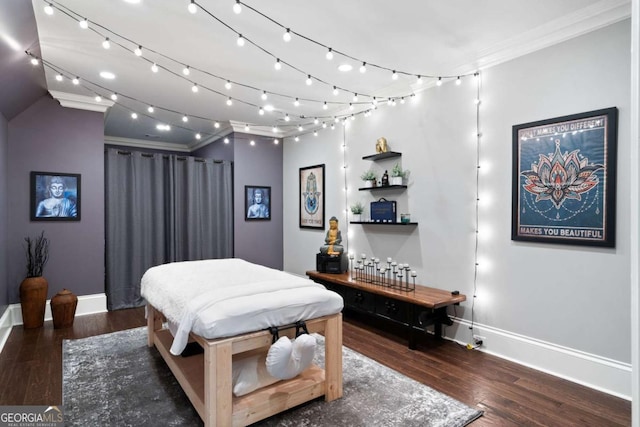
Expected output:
(564, 179)
(311, 193)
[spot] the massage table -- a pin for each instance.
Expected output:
(226, 306)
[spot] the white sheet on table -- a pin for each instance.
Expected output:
(221, 298)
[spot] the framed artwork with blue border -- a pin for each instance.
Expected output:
(564, 179)
(55, 196)
(312, 197)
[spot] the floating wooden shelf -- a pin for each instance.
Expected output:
(386, 187)
(380, 156)
(382, 223)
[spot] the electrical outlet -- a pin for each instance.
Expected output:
(479, 338)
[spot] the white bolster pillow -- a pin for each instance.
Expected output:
(287, 358)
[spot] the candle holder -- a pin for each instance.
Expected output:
(389, 274)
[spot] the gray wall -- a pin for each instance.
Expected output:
(48, 137)
(217, 150)
(4, 145)
(551, 293)
(261, 164)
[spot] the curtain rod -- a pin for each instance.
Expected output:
(166, 156)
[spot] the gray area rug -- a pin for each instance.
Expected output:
(116, 380)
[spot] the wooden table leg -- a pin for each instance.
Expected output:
(333, 358)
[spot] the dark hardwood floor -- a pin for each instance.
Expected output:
(510, 394)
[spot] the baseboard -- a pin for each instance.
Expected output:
(600, 373)
(87, 304)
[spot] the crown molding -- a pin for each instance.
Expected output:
(255, 130)
(583, 21)
(220, 133)
(140, 143)
(81, 102)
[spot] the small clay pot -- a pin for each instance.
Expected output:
(63, 309)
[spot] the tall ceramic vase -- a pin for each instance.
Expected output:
(33, 300)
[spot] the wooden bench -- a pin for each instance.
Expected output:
(414, 310)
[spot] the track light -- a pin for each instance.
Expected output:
(325, 106)
(216, 125)
(98, 98)
(198, 136)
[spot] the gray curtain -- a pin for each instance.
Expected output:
(159, 209)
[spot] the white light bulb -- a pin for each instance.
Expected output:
(76, 81)
(287, 35)
(300, 128)
(336, 91)
(114, 97)
(276, 141)
(34, 61)
(458, 81)
(355, 97)
(329, 54)
(264, 95)
(309, 81)
(229, 102)
(394, 76)
(237, 8)
(198, 136)
(59, 77)
(48, 9)
(134, 116)
(216, 125)
(351, 106)
(98, 98)
(154, 68)
(261, 111)
(287, 118)
(419, 80)
(246, 128)
(252, 143)
(192, 7)
(277, 65)
(316, 121)
(439, 82)
(315, 133)
(227, 85)
(324, 125)
(325, 106)
(185, 119)
(106, 43)
(138, 51)
(296, 139)
(226, 140)
(274, 129)
(194, 88)
(84, 24)
(150, 109)
(186, 70)
(296, 102)
(240, 40)
(363, 67)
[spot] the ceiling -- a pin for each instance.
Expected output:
(415, 37)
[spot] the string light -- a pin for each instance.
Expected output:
(106, 43)
(185, 119)
(261, 111)
(237, 8)
(150, 109)
(198, 136)
(363, 68)
(229, 102)
(154, 68)
(264, 95)
(439, 82)
(277, 64)
(216, 125)
(296, 102)
(134, 116)
(76, 81)
(394, 75)
(287, 35)
(84, 24)
(329, 54)
(194, 88)
(34, 61)
(138, 51)
(309, 81)
(59, 77)
(48, 9)
(458, 81)
(192, 7)
(186, 70)
(114, 97)
(336, 92)
(240, 40)
(227, 85)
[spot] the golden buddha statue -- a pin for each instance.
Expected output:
(332, 242)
